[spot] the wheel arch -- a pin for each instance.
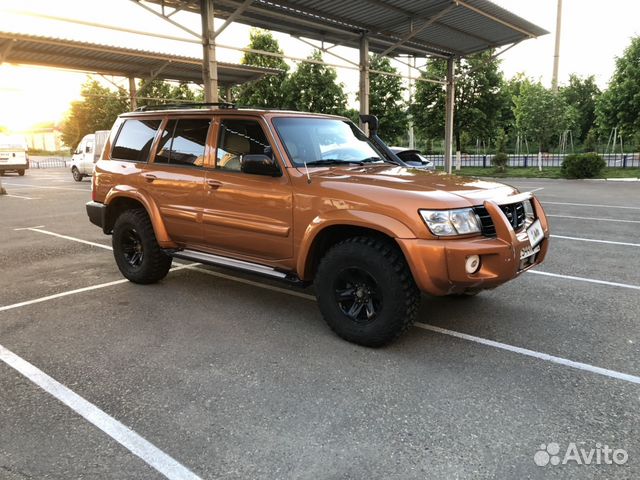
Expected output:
(321, 235)
(118, 201)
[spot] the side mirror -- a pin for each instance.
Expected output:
(260, 164)
(372, 121)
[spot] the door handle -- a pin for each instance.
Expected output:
(214, 184)
(149, 177)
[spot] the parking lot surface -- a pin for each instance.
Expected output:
(212, 374)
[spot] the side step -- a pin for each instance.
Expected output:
(218, 260)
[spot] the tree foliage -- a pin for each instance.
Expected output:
(479, 98)
(157, 92)
(385, 99)
(314, 88)
(619, 105)
(540, 114)
(267, 92)
(97, 111)
(580, 96)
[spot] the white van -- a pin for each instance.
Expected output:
(13, 155)
(87, 154)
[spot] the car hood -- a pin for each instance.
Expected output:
(431, 188)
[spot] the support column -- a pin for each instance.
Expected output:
(556, 52)
(133, 95)
(210, 64)
(448, 119)
(364, 79)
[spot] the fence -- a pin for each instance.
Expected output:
(49, 162)
(613, 160)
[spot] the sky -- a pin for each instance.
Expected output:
(593, 34)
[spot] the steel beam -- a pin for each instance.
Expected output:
(448, 119)
(210, 64)
(364, 78)
(133, 96)
(238, 11)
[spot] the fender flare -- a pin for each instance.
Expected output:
(350, 218)
(122, 191)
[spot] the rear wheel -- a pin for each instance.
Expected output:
(136, 250)
(366, 292)
(21, 173)
(77, 176)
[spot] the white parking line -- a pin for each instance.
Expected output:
(66, 237)
(595, 218)
(23, 198)
(126, 437)
(532, 353)
(610, 242)
(584, 279)
(591, 205)
(79, 290)
(30, 185)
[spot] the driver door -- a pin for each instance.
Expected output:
(246, 214)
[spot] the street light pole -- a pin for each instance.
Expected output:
(556, 55)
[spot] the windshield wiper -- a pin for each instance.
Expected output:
(334, 161)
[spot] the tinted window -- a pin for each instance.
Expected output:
(238, 138)
(183, 142)
(134, 140)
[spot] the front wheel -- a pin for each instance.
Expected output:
(77, 176)
(136, 250)
(366, 292)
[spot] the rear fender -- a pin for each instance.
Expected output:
(123, 191)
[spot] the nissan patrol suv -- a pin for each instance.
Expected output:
(307, 198)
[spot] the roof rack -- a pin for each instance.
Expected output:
(174, 106)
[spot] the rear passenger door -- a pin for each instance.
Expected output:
(247, 214)
(175, 176)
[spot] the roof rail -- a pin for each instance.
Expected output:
(174, 106)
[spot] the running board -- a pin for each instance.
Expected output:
(217, 260)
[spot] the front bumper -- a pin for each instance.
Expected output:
(438, 266)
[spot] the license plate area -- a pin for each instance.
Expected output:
(527, 252)
(535, 233)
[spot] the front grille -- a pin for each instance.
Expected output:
(514, 212)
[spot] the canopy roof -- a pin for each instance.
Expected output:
(109, 60)
(418, 27)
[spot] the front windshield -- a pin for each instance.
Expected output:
(325, 141)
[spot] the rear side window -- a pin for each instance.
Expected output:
(183, 142)
(134, 140)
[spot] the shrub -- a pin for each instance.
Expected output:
(500, 161)
(588, 165)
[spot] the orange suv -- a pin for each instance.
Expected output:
(307, 198)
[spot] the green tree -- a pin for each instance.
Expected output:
(157, 92)
(385, 99)
(619, 105)
(97, 111)
(313, 87)
(540, 114)
(479, 98)
(267, 92)
(581, 96)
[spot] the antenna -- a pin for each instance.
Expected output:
(306, 169)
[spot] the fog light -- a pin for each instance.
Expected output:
(472, 264)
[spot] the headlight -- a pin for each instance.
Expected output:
(445, 223)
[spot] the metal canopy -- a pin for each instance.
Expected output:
(108, 60)
(418, 27)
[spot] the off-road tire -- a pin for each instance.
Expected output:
(154, 264)
(382, 262)
(77, 176)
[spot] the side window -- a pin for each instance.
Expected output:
(134, 140)
(183, 142)
(238, 138)
(89, 147)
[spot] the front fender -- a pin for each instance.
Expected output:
(124, 191)
(350, 218)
